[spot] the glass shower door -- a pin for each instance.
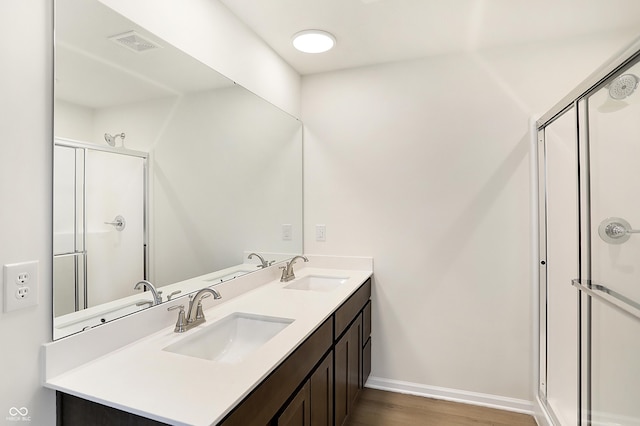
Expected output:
(613, 350)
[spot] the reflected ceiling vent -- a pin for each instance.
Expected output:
(134, 41)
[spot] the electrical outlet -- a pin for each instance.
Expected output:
(20, 285)
(321, 233)
(23, 278)
(287, 231)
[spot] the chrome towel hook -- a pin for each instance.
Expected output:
(615, 230)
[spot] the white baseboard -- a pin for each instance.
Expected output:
(454, 395)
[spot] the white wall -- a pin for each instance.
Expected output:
(74, 121)
(424, 166)
(25, 194)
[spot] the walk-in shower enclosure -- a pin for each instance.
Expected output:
(588, 152)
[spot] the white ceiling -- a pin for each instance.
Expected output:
(377, 31)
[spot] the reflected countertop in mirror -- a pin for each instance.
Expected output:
(221, 176)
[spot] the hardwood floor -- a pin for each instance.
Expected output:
(380, 408)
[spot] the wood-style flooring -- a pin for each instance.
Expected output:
(380, 408)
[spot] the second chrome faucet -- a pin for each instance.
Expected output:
(287, 271)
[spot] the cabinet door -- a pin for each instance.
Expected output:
(298, 412)
(366, 362)
(322, 393)
(366, 343)
(348, 353)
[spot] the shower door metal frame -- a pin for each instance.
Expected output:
(84, 147)
(543, 282)
(578, 99)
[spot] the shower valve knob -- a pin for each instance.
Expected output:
(615, 230)
(119, 223)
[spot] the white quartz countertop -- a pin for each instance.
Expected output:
(143, 379)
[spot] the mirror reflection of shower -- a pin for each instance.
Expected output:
(98, 255)
(111, 139)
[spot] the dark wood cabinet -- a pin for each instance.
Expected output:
(322, 393)
(316, 385)
(262, 405)
(298, 411)
(366, 343)
(366, 362)
(348, 355)
(313, 404)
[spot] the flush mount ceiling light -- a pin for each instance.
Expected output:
(313, 41)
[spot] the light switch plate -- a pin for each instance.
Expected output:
(287, 231)
(20, 285)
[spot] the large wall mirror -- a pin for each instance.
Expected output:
(164, 171)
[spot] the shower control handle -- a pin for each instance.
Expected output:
(119, 223)
(615, 230)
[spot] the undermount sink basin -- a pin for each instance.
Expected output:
(231, 339)
(317, 283)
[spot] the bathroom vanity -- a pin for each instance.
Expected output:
(308, 372)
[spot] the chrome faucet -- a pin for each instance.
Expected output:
(263, 263)
(197, 302)
(287, 271)
(186, 322)
(157, 299)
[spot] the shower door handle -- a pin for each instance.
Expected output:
(119, 223)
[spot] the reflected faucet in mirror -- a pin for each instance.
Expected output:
(157, 299)
(173, 293)
(263, 263)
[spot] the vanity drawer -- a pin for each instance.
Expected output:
(366, 322)
(351, 308)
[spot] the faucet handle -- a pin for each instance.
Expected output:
(181, 322)
(283, 277)
(173, 293)
(199, 312)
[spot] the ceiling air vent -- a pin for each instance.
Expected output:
(134, 41)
